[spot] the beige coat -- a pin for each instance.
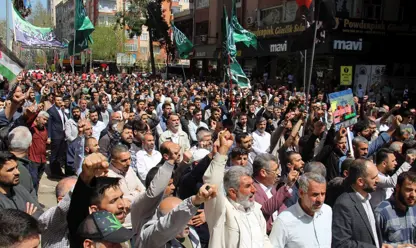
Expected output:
(183, 140)
(222, 217)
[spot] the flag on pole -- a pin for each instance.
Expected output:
(240, 34)
(10, 65)
(183, 44)
(83, 29)
(230, 51)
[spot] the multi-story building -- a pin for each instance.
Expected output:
(65, 20)
(51, 7)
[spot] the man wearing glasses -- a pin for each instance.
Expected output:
(266, 173)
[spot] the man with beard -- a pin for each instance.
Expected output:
(175, 134)
(195, 124)
(126, 138)
(354, 224)
(71, 126)
(397, 215)
(12, 194)
(233, 217)
(113, 134)
(97, 126)
(261, 138)
(241, 126)
(148, 157)
(386, 164)
(37, 149)
(245, 141)
(129, 183)
(308, 222)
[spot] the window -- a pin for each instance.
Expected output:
(372, 9)
(144, 36)
(156, 50)
(130, 47)
(201, 4)
(143, 50)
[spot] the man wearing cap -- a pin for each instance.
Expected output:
(102, 229)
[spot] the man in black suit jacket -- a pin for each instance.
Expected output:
(353, 221)
(56, 137)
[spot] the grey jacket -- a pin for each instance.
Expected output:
(17, 199)
(160, 232)
(143, 206)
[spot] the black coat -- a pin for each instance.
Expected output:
(350, 224)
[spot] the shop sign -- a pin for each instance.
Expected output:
(201, 54)
(359, 26)
(279, 30)
(348, 45)
(346, 75)
(281, 47)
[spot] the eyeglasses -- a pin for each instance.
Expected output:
(275, 172)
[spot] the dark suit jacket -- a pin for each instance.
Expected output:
(55, 128)
(350, 224)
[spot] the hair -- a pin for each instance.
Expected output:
(310, 176)
(316, 168)
(240, 136)
(20, 139)
(233, 175)
(166, 104)
(406, 113)
(139, 125)
(359, 139)
(382, 155)
(75, 108)
(119, 148)
(411, 151)
(395, 147)
(127, 126)
(361, 126)
(17, 226)
(60, 187)
(260, 120)
(44, 114)
(409, 175)
(289, 154)
(163, 149)
(102, 184)
(202, 132)
(93, 109)
(140, 100)
(196, 111)
(346, 164)
(6, 156)
(236, 151)
(357, 169)
(262, 161)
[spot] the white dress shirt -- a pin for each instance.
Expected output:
(268, 191)
(97, 128)
(145, 162)
(261, 142)
(294, 228)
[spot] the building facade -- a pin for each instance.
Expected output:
(65, 20)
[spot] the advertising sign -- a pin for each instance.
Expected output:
(346, 75)
(343, 108)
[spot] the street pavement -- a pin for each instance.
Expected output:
(46, 194)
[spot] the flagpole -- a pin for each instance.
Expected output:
(231, 81)
(75, 36)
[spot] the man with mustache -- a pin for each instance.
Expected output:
(148, 157)
(71, 126)
(354, 222)
(12, 194)
(308, 222)
(175, 134)
(397, 215)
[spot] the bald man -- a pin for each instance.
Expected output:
(172, 226)
(55, 232)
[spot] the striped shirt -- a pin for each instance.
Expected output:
(397, 226)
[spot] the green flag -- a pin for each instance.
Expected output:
(240, 34)
(83, 29)
(230, 51)
(183, 44)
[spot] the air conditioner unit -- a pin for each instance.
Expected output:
(204, 38)
(250, 21)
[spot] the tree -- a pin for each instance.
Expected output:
(3, 29)
(40, 16)
(107, 42)
(148, 13)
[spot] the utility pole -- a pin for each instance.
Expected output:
(9, 43)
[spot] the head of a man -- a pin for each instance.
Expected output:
(121, 158)
(20, 138)
(64, 186)
(363, 176)
(140, 128)
(83, 104)
(239, 157)
(174, 123)
(244, 140)
(360, 147)
(216, 114)
(170, 151)
(294, 161)
(127, 134)
(261, 124)
(42, 120)
(9, 173)
(197, 114)
(91, 145)
(76, 113)
(148, 142)
(59, 102)
(204, 139)
(266, 169)
(19, 229)
(341, 144)
(385, 161)
(405, 192)
(166, 206)
(312, 190)
(166, 108)
(109, 197)
(316, 168)
(243, 119)
(362, 128)
(93, 115)
(238, 184)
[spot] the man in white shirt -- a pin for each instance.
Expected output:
(308, 222)
(97, 126)
(148, 157)
(261, 138)
(175, 134)
(196, 123)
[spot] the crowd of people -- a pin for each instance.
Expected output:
(152, 163)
